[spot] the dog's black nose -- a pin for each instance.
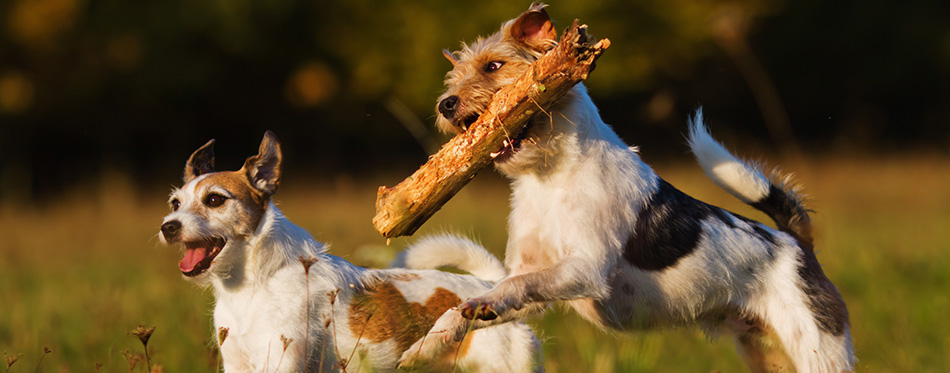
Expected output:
(171, 229)
(448, 105)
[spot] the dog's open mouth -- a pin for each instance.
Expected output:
(199, 255)
(510, 146)
(467, 121)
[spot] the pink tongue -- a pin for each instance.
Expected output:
(192, 258)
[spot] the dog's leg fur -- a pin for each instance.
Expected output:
(451, 327)
(432, 252)
(558, 282)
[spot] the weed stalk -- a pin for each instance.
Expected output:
(144, 334)
(307, 263)
(46, 350)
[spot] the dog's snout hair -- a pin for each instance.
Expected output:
(171, 230)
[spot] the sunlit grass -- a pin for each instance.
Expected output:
(79, 273)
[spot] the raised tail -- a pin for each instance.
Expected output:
(773, 196)
(432, 252)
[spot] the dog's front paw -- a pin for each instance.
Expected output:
(480, 309)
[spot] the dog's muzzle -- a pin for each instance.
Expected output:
(460, 120)
(199, 253)
(171, 230)
(448, 106)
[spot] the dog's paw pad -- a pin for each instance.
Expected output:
(477, 309)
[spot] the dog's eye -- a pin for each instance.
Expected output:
(214, 200)
(175, 204)
(493, 66)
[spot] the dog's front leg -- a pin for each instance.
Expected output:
(571, 278)
(450, 328)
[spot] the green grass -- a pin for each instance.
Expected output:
(79, 273)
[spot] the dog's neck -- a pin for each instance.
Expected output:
(276, 243)
(587, 172)
(573, 140)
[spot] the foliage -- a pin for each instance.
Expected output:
(88, 87)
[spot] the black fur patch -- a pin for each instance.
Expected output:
(667, 228)
(824, 301)
(789, 216)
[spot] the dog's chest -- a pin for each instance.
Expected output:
(260, 312)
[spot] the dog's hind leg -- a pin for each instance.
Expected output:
(788, 316)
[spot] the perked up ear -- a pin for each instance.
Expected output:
(450, 56)
(263, 169)
(533, 28)
(201, 162)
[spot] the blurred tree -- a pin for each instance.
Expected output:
(90, 87)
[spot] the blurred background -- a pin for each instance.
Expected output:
(132, 87)
(101, 102)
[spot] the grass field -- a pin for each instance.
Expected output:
(79, 273)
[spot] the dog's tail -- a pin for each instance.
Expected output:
(774, 196)
(442, 250)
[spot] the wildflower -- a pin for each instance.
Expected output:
(11, 359)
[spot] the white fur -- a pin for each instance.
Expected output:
(577, 191)
(744, 182)
(434, 251)
(262, 290)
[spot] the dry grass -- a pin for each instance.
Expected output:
(77, 274)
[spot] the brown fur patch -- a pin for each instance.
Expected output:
(465, 346)
(236, 183)
(382, 313)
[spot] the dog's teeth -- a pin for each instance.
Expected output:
(494, 154)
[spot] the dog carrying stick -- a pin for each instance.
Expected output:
(402, 209)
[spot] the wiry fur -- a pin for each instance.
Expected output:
(593, 226)
(359, 319)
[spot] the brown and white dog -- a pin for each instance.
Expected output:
(264, 270)
(593, 226)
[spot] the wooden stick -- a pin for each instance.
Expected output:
(402, 209)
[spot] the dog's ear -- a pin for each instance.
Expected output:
(450, 56)
(263, 169)
(201, 162)
(533, 28)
